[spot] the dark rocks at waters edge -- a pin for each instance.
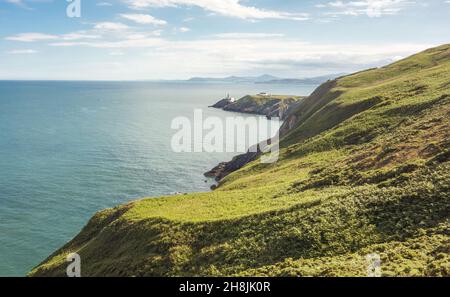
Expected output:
(222, 103)
(225, 168)
(216, 171)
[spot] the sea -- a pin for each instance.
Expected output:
(71, 148)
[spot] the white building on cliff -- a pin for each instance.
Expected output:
(231, 99)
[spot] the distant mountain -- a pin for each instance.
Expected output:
(308, 80)
(266, 79)
(235, 79)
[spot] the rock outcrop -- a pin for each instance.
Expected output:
(271, 106)
(225, 168)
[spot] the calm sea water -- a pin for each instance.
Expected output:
(70, 149)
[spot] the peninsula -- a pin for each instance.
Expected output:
(272, 106)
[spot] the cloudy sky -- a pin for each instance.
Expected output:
(178, 39)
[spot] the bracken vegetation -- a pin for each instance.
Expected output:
(365, 169)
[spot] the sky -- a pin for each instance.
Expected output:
(179, 39)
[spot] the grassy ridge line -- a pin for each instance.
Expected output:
(364, 169)
(262, 99)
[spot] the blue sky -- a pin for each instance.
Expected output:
(177, 39)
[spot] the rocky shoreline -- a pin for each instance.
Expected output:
(271, 106)
(225, 168)
(262, 104)
(290, 119)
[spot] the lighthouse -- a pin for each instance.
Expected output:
(230, 99)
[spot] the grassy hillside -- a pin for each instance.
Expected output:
(364, 168)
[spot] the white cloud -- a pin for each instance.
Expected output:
(102, 35)
(36, 37)
(31, 37)
(226, 53)
(143, 19)
(110, 26)
(145, 54)
(113, 36)
(20, 3)
(371, 8)
(230, 8)
(116, 53)
(15, 1)
(242, 35)
(282, 57)
(143, 42)
(25, 3)
(218, 55)
(79, 35)
(22, 52)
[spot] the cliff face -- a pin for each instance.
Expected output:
(268, 105)
(364, 168)
(281, 107)
(226, 168)
(296, 112)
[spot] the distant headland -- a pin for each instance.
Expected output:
(271, 106)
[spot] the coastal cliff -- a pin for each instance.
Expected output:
(364, 169)
(294, 113)
(271, 106)
(225, 168)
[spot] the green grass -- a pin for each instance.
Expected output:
(365, 169)
(260, 99)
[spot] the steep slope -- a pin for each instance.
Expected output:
(364, 168)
